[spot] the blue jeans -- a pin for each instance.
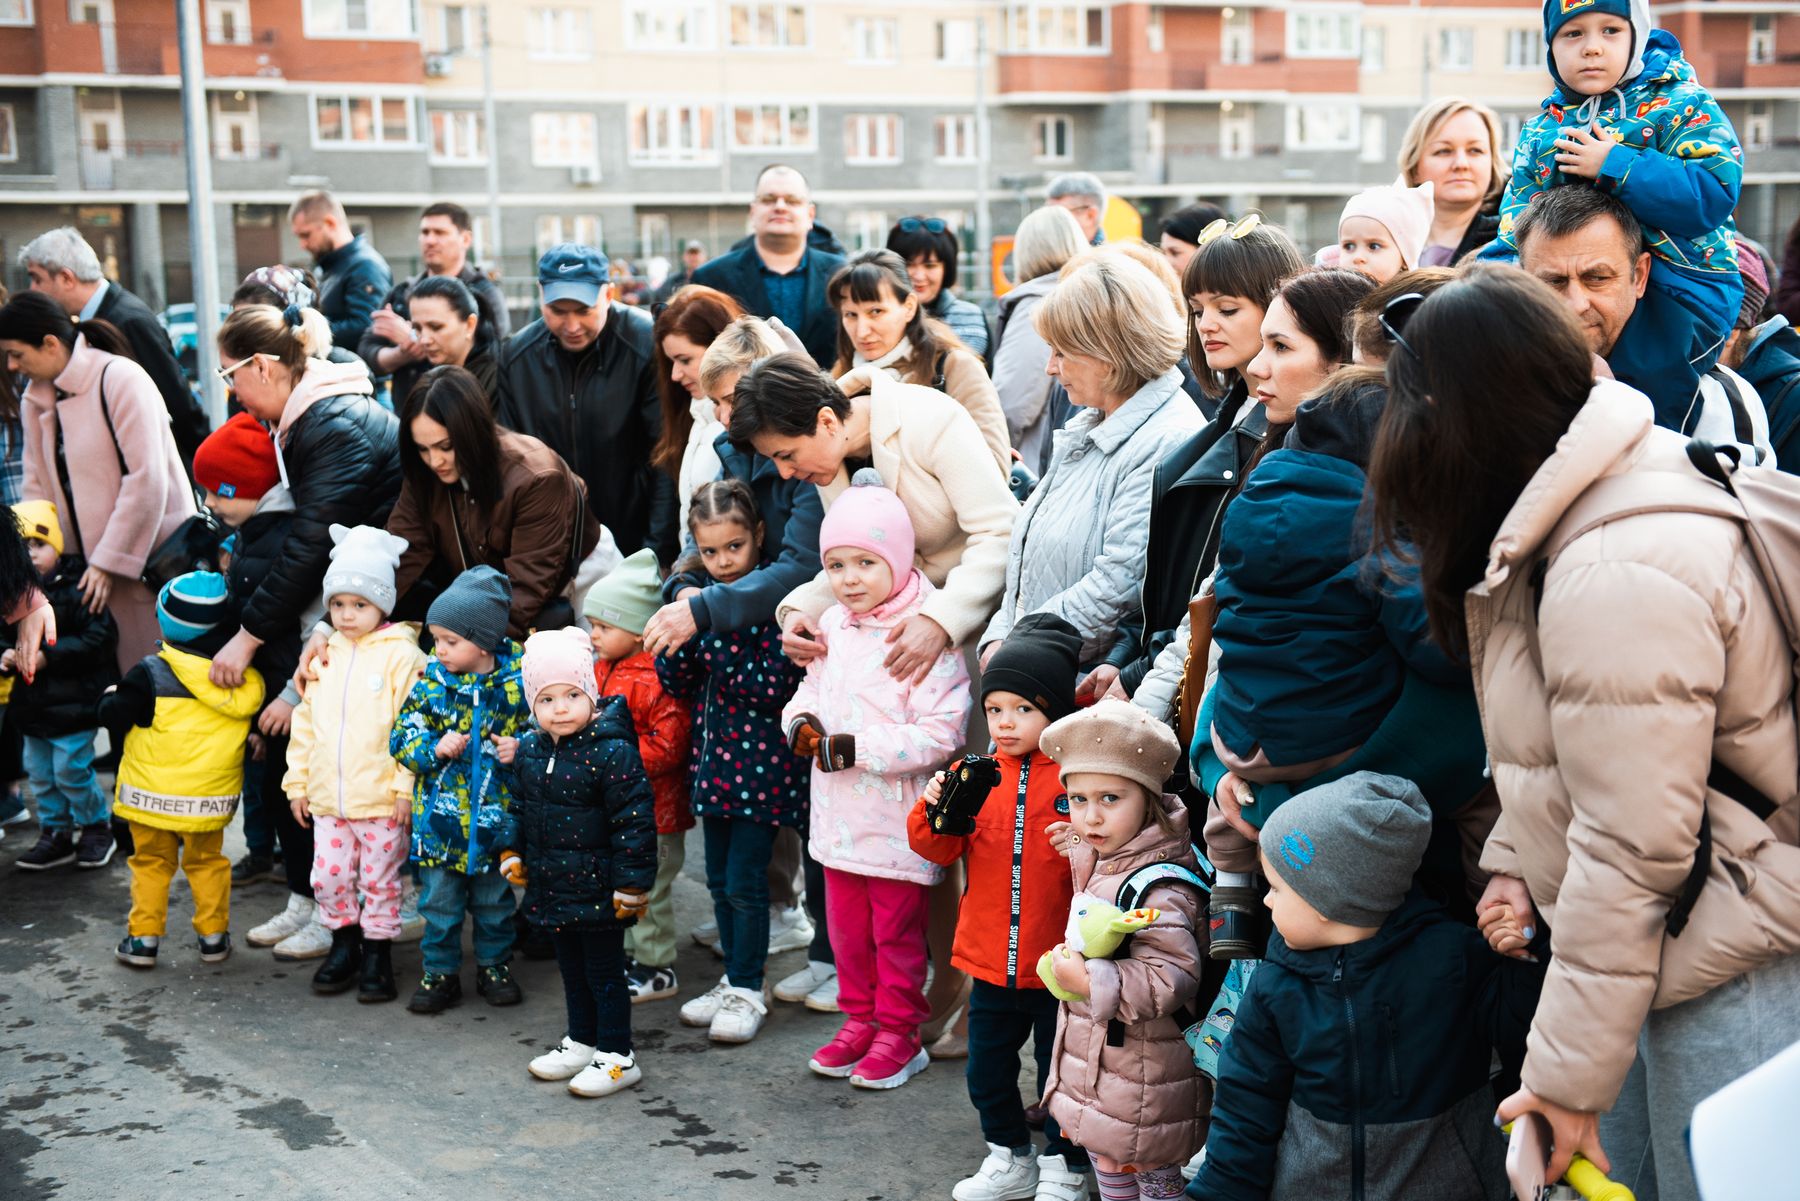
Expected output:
(444, 896)
(259, 828)
(737, 873)
(1000, 1020)
(62, 778)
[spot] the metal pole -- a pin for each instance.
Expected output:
(492, 130)
(202, 237)
(983, 232)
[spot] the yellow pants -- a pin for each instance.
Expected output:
(153, 863)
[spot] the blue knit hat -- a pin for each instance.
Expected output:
(191, 606)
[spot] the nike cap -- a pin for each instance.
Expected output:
(571, 271)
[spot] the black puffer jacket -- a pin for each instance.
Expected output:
(587, 817)
(78, 669)
(254, 552)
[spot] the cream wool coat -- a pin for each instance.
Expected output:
(1656, 649)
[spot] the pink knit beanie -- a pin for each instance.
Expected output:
(563, 656)
(870, 517)
(1407, 213)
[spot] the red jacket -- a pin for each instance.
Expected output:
(993, 908)
(662, 728)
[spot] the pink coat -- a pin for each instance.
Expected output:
(119, 517)
(903, 734)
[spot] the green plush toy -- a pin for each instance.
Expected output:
(1095, 931)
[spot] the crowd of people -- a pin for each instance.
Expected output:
(1313, 696)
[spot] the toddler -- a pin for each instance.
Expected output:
(181, 767)
(1384, 230)
(875, 741)
(341, 781)
(587, 826)
(619, 607)
(462, 797)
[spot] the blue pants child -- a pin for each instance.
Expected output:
(737, 874)
(445, 894)
(1000, 1020)
(61, 769)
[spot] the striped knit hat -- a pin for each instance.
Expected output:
(191, 606)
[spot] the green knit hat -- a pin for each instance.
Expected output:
(629, 596)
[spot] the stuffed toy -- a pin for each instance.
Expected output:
(1096, 930)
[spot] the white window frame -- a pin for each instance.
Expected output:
(1759, 125)
(9, 135)
(1512, 127)
(865, 147)
(784, 42)
(1237, 39)
(540, 126)
(375, 96)
(562, 33)
(1762, 39)
(1524, 49)
(655, 235)
(466, 126)
(550, 229)
(312, 30)
(1324, 20)
(699, 122)
(874, 41)
(240, 12)
(1237, 133)
(956, 138)
(1043, 149)
(470, 40)
(657, 19)
(1025, 21)
(787, 145)
(27, 19)
(1156, 38)
(222, 120)
(867, 229)
(1373, 55)
(1297, 117)
(1374, 138)
(969, 27)
(1461, 39)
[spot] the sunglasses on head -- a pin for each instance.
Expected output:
(931, 225)
(1223, 226)
(1396, 314)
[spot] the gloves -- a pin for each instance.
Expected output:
(512, 868)
(804, 735)
(628, 904)
(832, 752)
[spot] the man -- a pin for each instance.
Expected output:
(352, 277)
(581, 378)
(692, 256)
(65, 268)
(1082, 193)
(779, 274)
(1588, 247)
(390, 347)
(1767, 353)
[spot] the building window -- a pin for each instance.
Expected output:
(560, 34)
(1759, 126)
(234, 126)
(656, 235)
(957, 40)
(874, 41)
(456, 136)
(955, 138)
(456, 29)
(869, 229)
(228, 22)
(344, 121)
(1762, 38)
(554, 229)
(1154, 37)
(1296, 218)
(665, 25)
(1511, 126)
(1322, 126)
(9, 135)
(361, 19)
(774, 125)
(1524, 50)
(1374, 138)
(1322, 33)
(872, 139)
(1040, 27)
(15, 12)
(674, 133)
(769, 26)
(1052, 139)
(1235, 46)
(1236, 134)
(1456, 49)
(563, 140)
(1374, 49)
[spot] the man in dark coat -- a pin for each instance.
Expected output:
(1767, 353)
(352, 276)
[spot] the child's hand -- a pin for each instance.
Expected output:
(299, 809)
(403, 810)
(452, 745)
(837, 752)
(1582, 152)
(804, 735)
(630, 903)
(258, 748)
(9, 661)
(1233, 794)
(1070, 970)
(512, 868)
(1063, 838)
(505, 748)
(277, 719)
(934, 789)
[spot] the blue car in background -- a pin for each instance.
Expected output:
(184, 331)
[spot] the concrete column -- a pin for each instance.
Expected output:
(144, 224)
(230, 272)
(59, 136)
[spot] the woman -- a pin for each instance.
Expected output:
(1181, 230)
(882, 327)
(1625, 653)
(1451, 145)
(928, 247)
(98, 447)
(1047, 239)
(684, 452)
(1077, 549)
(473, 493)
(451, 334)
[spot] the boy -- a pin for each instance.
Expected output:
(181, 770)
(55, 712)
(462, 796)
(1629, 117)
(1360, 1057)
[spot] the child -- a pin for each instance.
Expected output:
(1384, 230)
(341, 780)
(1123, 1083)
(1360, 1057)
(56, 712)
(586, 818)
(462, 797)
(620, 606)
(181, 767)
(1013, 869)
(1629, 117)
(886, 737)
(746, 785)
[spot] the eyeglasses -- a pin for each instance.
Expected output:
(1223, 226)
(224, 373)
(1396, 314)
(768, 200)
(931, 225)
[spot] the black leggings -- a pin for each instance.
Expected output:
(592, 963)
(296, 840)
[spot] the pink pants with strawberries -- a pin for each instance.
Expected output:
(356, 873)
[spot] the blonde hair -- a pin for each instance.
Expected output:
(265, 329)
(1144, 254)
(1430, 119)
(1046, 239)
(745, 341)
(1113, 309)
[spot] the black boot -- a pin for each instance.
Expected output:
(338, 972)
(377, 983)
(1237, 923)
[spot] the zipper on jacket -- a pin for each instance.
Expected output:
(1356, 1113)
(475, 793)
(1018, 859)
(344, 712)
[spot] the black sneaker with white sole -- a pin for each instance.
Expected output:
(136, 952)
(215, 948)
(55, 848)
(252, 869)
(95, 845)
(649, 983)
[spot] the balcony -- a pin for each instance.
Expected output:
(158, 164)
(1719, 69)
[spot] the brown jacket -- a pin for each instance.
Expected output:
(1655, 650)
(1142, 1103)
(537, 533)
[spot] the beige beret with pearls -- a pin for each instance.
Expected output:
(1115, 737)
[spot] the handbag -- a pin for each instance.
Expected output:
(1201, 612)
(191, 546)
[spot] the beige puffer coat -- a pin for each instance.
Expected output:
(1142, 1103)
(1656, 648)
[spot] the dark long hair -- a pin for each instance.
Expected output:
(862, 280)
(17, 576)
(31, 317)
(453, 398)
(699, 314)
(1323, 303)
(783, 395)
(1252, 266)
(1496, 371)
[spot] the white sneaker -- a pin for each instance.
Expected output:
(412, 926)
(823, 999)
(789, 930)
(707, 933)
(311, 941)
(794, 988)
(1057, 1181)
(1191, 1168)
(17, 819)
(608, 1073)
(702, 1009)
(562, 1061)
(1002, 1176)
(740, 1015)
(296, 917)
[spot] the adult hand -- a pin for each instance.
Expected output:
(312, 659)
(802, 640)
(96, 588)
(915, 645)
(1100, 682)
(1572, 1132)
(986, 653)
(1582, 152)
(37, 630)
(788, 337)
(857, 380)
(277, 719)
(1506, 899)
(1233, 794)
(386, 323)
(228, 665)
(669, 628)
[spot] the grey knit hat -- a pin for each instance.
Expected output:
(475, 606)
(1350, 848)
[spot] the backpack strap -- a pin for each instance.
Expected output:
(1136, 886)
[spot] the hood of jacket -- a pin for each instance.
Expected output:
(1773, 357)
(321, 379)
(1340, 424)
(906, 600)
(1651, 50)
(276, 500)
(1149, 845)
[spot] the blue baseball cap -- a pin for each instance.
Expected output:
(571, 271)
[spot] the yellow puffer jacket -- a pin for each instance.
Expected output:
(185, 771)
(338, 749)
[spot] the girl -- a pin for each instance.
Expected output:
(1382, 232)
(850, 713)
(745, 784)
(1123, 1083)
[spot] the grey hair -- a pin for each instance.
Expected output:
(62, 249)
(1046, 239)
(1077, 183)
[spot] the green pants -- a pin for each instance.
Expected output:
(652, 940)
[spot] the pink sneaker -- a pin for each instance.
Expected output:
(838, 1057)
(892, 1061)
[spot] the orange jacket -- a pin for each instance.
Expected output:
(1004, 928)
(662, 724)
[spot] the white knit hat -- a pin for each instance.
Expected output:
(362, 564)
